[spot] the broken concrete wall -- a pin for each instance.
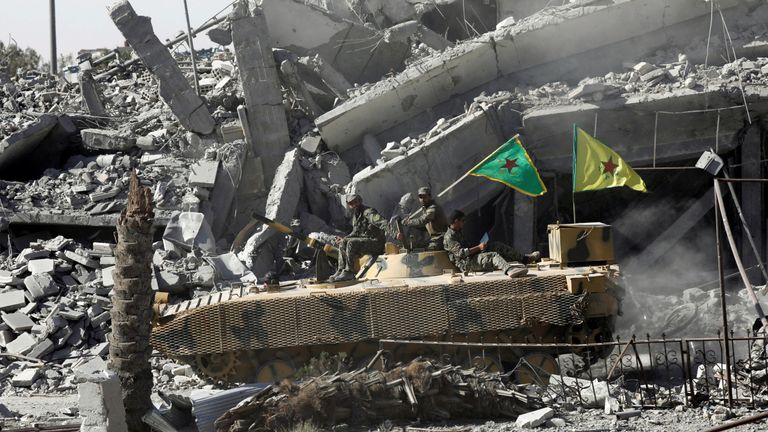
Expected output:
(537, 41)
(549, 131)
(266, 121)
(174, 87)
(358, 52)
(436, 163)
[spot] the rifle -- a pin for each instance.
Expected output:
(243, 236)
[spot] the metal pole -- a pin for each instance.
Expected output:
(54, 55)
(723, 307)
(746, 229)
(191, 48)
(732, 242)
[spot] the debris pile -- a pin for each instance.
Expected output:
(419, 389)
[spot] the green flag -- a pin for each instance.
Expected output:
(510, 164)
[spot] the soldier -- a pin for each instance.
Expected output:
(483, 257)
(430, 220)
(367, 238)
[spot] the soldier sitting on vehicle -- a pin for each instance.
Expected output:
(484, 256)
(429, 220)
(367, 238)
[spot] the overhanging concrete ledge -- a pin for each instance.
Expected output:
(558, 33)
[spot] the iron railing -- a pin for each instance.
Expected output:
(642, 372)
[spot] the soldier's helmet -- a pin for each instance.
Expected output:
(352, 197)
(424, 190)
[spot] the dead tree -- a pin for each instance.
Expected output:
(129, 348)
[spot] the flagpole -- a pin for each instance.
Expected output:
(452, 185)
(473, 168)
(573, 175)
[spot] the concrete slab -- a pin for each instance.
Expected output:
(18, 322)
(38, 266)
(40, 285)
(22, 344)
(204, 173)
(104, 139)
(25, 378)
(15, 147)
(556, 36)
(43, 348)
(12, 300)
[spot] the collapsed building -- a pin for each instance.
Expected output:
(304, 102)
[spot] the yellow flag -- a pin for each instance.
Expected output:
(595, 166)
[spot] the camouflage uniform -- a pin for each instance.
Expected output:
(433, 223)
(367, 238)
(497, 256)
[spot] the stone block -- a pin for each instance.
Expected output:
(43, 348)
(25, 378)
(18, 322)
(22, 344)
(534, 419)
(104, 139)
(107, 278)
(106, 261)
(99, 320)
(12, 300)
(40, 285)
(311, 144)
(44, 265)
(101, 401)
(203, 173)
(104, 195)
(80, 259)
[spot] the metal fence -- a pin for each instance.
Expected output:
(637, 371)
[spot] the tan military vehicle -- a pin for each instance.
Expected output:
(252, 334)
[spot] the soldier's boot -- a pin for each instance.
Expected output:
(532, 257)
(516, 272)
(335, 275)
(344, 276)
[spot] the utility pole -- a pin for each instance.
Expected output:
(191, 48)
(54, 65)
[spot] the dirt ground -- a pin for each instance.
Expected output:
(46, 408)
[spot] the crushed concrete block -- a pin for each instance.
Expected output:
(170, 282)
(80, 259)
(311, 144)
(146, 143)
(44, 265)
(40, 285)
(6, 337)
(107, 261)
(72, 315)
(220, 35)
(104, 139)
(25, 378)
(100, 399)
(534, 418)
(22, 344)
(7, 278)
(29, 308)
(643, 68)
(43, 348)
(101, 349)
(175, 90)
(587, 89)
(104, 195)
(99, 320)
(204, 173)
(654, 75)
(18, 322)
(12, 300)
(107, 278)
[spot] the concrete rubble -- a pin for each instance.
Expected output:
(303, 102)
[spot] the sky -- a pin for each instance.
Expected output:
(83, 24)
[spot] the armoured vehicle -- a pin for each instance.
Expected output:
(252, 334)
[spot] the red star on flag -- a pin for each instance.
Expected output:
(609, 167)
(509, 165)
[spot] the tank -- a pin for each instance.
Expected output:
(251, 334)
